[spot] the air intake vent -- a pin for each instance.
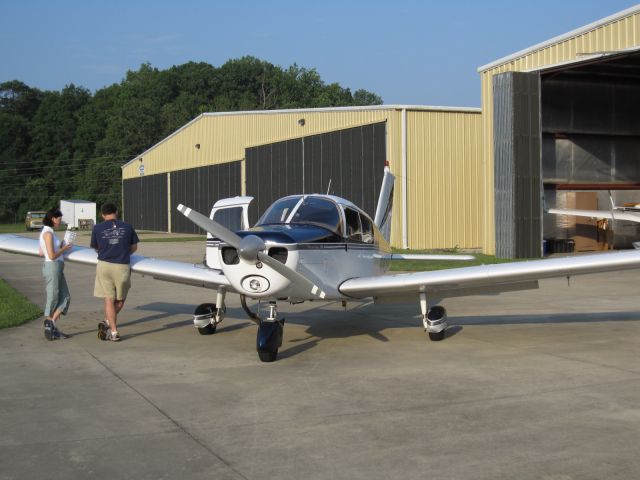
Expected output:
(230, 256)
(279, 253)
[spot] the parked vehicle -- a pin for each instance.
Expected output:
(33, 220)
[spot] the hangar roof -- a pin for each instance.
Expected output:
(561, 38)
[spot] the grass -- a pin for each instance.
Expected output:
(12, 228)
(421, 265)
(19, 228)
(16, 309)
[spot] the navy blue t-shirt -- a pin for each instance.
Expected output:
(113, 240)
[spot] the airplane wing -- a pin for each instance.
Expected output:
(485, 279)
(616, 215)
(168, 270)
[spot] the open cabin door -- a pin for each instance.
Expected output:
(232, 213)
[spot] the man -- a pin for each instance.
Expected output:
(114, 241)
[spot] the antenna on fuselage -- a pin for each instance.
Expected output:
(329, 187)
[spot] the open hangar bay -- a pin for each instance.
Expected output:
(540, 384)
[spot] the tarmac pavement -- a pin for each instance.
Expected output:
(541, 384)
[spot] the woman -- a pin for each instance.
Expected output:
(58, 297)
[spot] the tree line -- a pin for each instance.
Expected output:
(70, 144)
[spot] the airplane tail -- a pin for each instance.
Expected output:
(385, 203)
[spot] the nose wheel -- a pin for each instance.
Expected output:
(269, 336)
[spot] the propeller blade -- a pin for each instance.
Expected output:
(296, 278)
(211, 226)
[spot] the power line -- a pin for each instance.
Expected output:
(76, 159)
(28, 173)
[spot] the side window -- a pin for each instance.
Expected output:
(367, 229)
(354, 230)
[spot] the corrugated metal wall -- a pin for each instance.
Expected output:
(517, 167)
(145, 202)
(616, 34)
(348, 163)
(444, 163)
(199, 188)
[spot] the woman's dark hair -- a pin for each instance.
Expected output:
(51, 214)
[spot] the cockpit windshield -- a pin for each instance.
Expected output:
(279, 211)
(312, 210)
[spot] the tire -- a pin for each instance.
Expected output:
(267, 356)
(203, 309)
(436, 336)
(208, 330)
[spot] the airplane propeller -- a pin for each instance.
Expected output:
(250, 249)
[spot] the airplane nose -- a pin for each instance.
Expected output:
(249, 248)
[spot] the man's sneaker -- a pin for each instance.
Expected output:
(103, 330)
(114, 336)
(49, 329)
(59, 334)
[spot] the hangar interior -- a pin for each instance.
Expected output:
(590, 147)
(572, 130)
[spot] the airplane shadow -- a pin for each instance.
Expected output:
(365, 323)
(164, 310)
(546, 318)
(327, 321)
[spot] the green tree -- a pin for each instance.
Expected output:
(71, 143)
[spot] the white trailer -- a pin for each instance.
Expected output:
(78, 214)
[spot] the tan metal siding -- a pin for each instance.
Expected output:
(223, 138)
(444, 162)
(620, 34)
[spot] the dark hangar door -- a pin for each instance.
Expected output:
(348, 163)
(517, 165)
(145, 202)
(199, 188)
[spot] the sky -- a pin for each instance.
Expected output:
(407, 51)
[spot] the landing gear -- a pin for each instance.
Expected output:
(269, 337)
(434, 319)
(207, 316)
(203, 315)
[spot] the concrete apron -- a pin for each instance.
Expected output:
(540, 384)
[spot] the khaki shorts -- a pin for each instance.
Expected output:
(113, 280)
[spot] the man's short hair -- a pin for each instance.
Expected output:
(108, 209)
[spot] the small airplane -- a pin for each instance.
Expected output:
(324, 248)
(629, 212)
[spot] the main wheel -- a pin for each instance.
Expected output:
(436, 336)
(208, 330)
(210, 310)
